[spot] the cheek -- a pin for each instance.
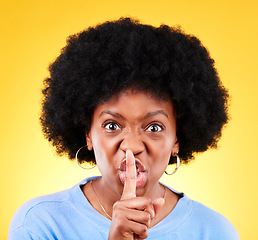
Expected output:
(164, 156)
(164, 146)
(104, 149)
(162, 150)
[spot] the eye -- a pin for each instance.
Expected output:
(112, 126)
(154, 128)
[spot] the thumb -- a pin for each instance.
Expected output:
(158, 204)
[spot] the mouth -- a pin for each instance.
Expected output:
(141, 173)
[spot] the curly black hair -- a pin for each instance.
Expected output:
(104, 60)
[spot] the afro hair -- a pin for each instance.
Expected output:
(102, 61)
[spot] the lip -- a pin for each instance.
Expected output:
(141, 177)
(139, 165)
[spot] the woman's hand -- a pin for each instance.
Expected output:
(132, 215)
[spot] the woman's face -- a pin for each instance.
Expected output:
(137, 121)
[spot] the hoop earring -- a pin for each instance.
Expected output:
(177, 166)
(77, 160)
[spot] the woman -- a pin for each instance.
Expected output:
(130, 98)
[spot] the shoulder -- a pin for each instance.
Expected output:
(212, 223)
(193, 220)
(39, 206)
(49, 215)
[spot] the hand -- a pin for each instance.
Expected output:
(132, 215)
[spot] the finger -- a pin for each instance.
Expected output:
(130, 179)
(140, 217)
(150, 209)
(158, 204)
(140, 231)
(138, 203)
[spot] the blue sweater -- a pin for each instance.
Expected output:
(68, 215)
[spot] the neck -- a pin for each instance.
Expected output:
(107, 195)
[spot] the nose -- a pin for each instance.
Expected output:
(133, 142)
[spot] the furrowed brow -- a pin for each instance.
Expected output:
(114, 114)
(151, 114)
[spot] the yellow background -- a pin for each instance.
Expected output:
(32, 34)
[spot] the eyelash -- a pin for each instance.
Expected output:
(155, 124)
(105, 124)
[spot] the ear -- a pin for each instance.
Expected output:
(89, 141)
(175, 148)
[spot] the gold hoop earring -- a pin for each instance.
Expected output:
(177, 166)
(78, 162)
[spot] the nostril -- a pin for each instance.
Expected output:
(133, 142)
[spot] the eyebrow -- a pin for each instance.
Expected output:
(151, 114)
(117, 115)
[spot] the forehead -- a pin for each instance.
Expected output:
(136, 104)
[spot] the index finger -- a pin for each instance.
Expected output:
(130, 179)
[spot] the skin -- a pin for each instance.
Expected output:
(132, 125)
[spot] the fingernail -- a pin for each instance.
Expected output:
(153, 214)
